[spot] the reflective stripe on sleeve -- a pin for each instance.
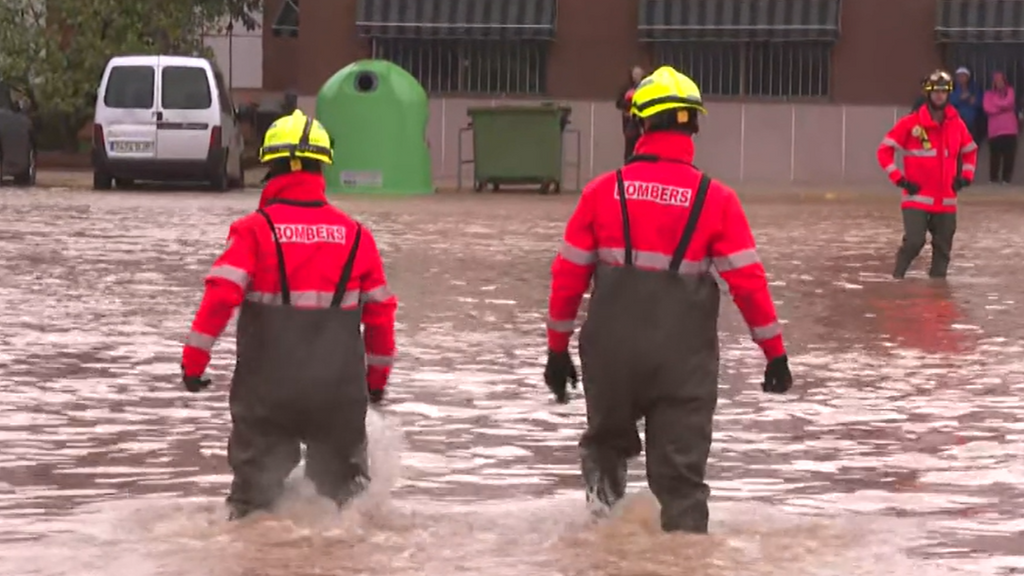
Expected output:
(378, 294)
(231, 274)
(652, 260)
(932, 153)
(201, 341)
(891, 168)
(577, 255)
(969, 167)
(761, 333)
(949, 201)
(736, 260)
(969, 147)
(305, 299)
(379, 360)
(891, 143)
(561, 325)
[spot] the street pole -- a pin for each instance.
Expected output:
(231, 56)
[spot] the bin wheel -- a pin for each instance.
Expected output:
(478, 186)
(549, 187)
(495, 186)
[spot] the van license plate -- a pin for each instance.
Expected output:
(131, 146)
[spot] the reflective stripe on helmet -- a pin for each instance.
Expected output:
(665, 89)
(303, 147)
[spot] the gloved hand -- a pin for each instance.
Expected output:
(194, 383)
(376, 396)
(777, 378)
(909, 186)
(557, 374)
(959, 183)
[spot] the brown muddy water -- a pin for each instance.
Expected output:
(899, 451)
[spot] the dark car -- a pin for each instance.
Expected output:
(17, 143)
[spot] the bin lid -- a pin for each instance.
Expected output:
(520, 108)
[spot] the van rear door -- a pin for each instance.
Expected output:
(128, 113)
(189, 113)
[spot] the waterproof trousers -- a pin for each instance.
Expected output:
(300, 377)
(916, 225)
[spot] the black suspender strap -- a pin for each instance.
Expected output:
(691, 223)
(282, 271)
(346, 272)
(628, 246)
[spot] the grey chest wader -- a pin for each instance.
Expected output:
(300, 377)
(649, 348)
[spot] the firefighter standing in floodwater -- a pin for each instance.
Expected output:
(939, 158)
(306, 275)
(649, 347)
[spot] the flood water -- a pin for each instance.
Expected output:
(899, 450)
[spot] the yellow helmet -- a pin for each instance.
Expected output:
(666, 89)
(297, 136)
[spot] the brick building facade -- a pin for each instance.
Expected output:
(791, 57)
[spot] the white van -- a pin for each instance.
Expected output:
(165, 118)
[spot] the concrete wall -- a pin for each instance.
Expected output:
(239, 55)
(826, 145)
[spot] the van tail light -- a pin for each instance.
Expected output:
(215, 138)
(97, 137)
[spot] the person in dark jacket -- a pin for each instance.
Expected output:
(630, 127)
(967, 99)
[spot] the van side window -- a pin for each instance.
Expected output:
(130, 87)
(226, 106)
(184, 88)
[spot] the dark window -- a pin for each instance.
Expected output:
(287, 22)
(6, 102)
(982, 59)
(130, 87)
(184, 88)
(492, 67)
(755, 69)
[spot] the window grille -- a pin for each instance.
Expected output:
(755, 69)
(491, 67)
(983, 59)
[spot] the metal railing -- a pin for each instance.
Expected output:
(984, 59)
(756, 69)
(492, 67)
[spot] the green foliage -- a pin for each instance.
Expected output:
(54, 51)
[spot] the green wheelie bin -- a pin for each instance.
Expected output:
(518, 145)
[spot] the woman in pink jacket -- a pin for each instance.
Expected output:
(1000, 104)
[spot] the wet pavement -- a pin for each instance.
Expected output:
(899, 450)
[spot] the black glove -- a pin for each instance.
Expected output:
(777, 378)
(909, 186)
(558, 372)
(959, 183)
(376, 396)
(194, 383)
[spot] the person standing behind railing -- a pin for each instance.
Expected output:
(1001, 107)
(630, 127)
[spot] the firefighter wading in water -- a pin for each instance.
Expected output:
(649, 347)
(939, 158)
(306, 275)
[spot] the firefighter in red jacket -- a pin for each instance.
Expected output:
(306, 275)
(650, 234)
(939, 158)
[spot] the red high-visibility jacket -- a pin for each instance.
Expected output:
(931, 152)
(316, 242)
(658, 212)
